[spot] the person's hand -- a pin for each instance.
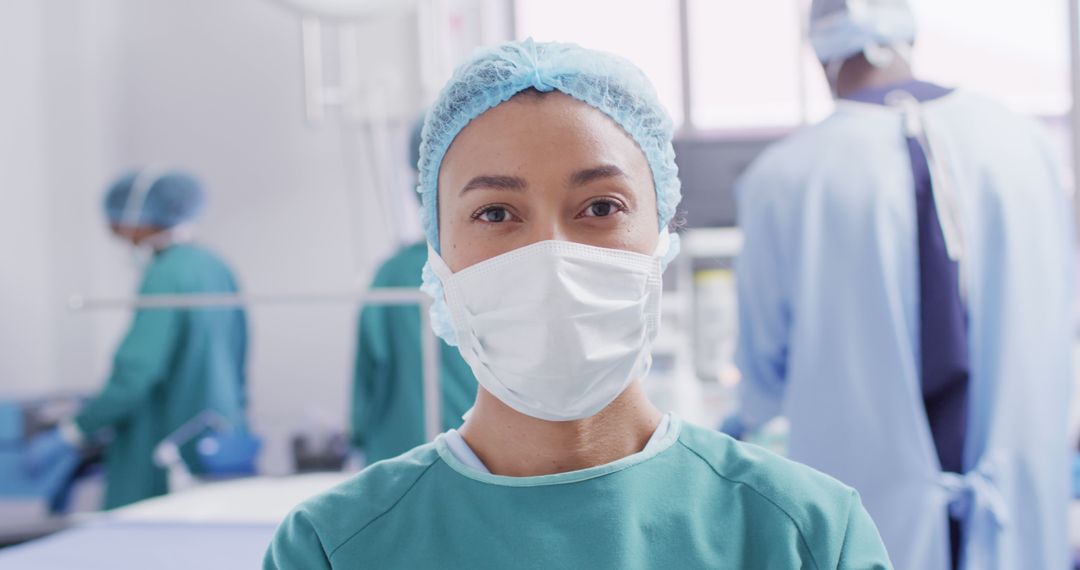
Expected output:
(47, 450)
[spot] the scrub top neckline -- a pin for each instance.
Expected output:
(448, 457)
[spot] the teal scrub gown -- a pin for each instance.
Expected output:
(388, 391)
(697, 499)
(172, 365)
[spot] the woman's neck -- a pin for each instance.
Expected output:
(513, 444)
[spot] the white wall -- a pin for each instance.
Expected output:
(79, 83)
(25, 322)
(53, 149)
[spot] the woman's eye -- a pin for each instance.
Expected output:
(494, 215)
(601, 209)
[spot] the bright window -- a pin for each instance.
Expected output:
(749, 66)
(644, 31)
(1014, 51)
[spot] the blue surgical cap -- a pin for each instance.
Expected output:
(168, 198)
(840, 29)
(606, 82)
(492, 76)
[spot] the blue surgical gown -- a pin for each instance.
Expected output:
(388, 390)
(172, 365)
(828, 290)
(697, 499)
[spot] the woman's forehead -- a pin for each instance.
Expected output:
(524, 118)
(550, 131)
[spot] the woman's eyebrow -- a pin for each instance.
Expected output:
(583, 177)
(495, 183)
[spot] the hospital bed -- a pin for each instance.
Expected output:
(29, 505)
(210, 527)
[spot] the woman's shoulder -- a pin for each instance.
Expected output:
(791, 486)
(826, 515)
(184, 264)
(337, 515)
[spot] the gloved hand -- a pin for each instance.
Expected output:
(48, 450)
(734, 426)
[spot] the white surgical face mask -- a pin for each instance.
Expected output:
(143, 253)
(141, 257)
(556, 330)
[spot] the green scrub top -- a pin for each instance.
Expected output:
(698, 499)
(388, 390)
(172, 365)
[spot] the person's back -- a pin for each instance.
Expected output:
(832, 335)
(172, 365)
(388, 392)
(208, 370)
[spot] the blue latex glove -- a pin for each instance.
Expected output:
(1076, 476)
(734, 426)
(47, 451)
(229, 454)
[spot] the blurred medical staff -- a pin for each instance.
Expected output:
(905, 301)
(388, 391)
(173, 363)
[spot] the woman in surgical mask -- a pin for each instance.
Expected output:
(548, 182)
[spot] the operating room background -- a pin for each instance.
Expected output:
(211, 86)
(90, 89)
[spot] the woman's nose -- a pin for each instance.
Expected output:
(549, 228)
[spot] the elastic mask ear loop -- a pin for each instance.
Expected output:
(182, 233)
(663, 244)
(903, 51)
(879, 56)
(438, 266)
(136, 199)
